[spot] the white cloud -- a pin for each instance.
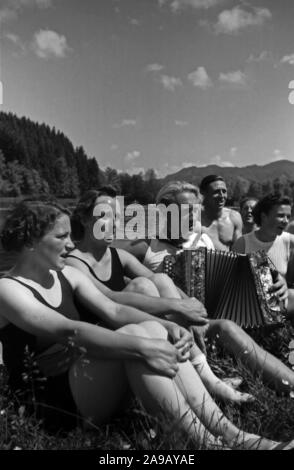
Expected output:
(232, 21)
(217, 160)
(177, 5)
(170, 83)
(278, 155)
(114, 147)
(125, 123)
(13, 8)
(288, 59)
(135, 170)
(16, 41)
(233, 152)
(199, 78)
(264, 55)
(233, 78)
(131, 156)
(154, 67)
(48, 44)
(6, 14)
(134, 22)
(181, 123)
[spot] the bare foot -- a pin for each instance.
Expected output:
(229, 394)
(233, 382)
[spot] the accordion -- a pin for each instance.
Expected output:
(232, 286)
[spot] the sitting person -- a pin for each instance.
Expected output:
(227, 333)
(154, 293)
(272, 214)
(90, 368)
(247, 205)
(222, 224)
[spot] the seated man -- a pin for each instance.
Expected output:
(228, 334)
(223, 225)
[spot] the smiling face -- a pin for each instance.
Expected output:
(53, 247)
(216, 195)
(246, 211)
(277, 219)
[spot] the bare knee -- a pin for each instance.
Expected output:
(147, 329)
(142, 285)
(223, 328)
(154, 329)
(133, 330)
(161, 279)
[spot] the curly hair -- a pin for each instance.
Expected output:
(269, 201)
(29, 221)
(85, 206)
(168, 193)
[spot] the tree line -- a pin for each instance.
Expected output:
(37, 159)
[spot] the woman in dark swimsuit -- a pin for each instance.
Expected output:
(155, 293)
(37, 311)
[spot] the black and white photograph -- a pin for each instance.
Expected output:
(147, 228)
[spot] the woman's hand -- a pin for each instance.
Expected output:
(191, 309)
(161, 356)
(279, 287)
(181, 338)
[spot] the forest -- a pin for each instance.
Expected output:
(36, 159)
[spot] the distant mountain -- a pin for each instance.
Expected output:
(252, 173)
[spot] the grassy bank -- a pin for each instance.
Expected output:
(270, 415)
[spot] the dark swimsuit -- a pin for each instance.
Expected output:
(60, 410)
(116, 281)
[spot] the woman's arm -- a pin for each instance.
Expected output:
(113, 314)
(132, 267)
(156, 306)
(26, 312)
(137, 248)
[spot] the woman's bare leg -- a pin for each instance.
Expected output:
(194, 392)
(100, 387)
(232, 338)
(214, 385)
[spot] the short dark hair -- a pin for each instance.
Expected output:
(269, 201)
(85, 206)
(246, 199)
(207, 180)
(29, 221)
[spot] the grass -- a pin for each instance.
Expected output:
(270, 415)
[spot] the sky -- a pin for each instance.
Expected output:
(161, 84)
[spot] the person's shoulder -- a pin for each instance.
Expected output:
(72, 274)
(234, 215)
(288, 238)
(136, 248)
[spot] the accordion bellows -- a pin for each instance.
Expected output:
(230, 285)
